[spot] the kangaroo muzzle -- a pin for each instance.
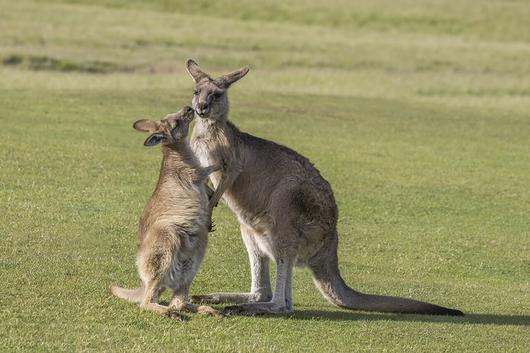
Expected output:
(203, 108)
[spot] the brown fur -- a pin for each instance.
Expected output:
(286, 210)
(173, 231)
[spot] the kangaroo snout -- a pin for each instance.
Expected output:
(203, 108)
(189, 113)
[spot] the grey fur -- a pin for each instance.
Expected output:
(286, 210)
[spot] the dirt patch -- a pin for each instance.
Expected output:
(47, 63)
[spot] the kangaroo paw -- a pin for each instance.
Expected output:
(211, 228)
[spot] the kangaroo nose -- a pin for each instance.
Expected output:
(203, 107)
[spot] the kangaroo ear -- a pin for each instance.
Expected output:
(227, 80)
(154, 139)
(145, 125)
(195, 71)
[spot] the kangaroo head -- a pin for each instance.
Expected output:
(209, 98)
(170, 130)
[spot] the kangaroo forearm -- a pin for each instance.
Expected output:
(217, 194)
(209, 191)
(209, 170)
(226, 181)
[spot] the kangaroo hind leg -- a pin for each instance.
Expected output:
(259, 269)
(279, 304)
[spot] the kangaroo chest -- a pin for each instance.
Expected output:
(238, 196)
(207, 157)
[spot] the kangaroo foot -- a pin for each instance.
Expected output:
(252, 309)
(163, 311)
(202, 309)
(175, 315)
(233, 298)
(208, 310)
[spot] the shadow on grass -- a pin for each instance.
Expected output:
(478, 319)
(469, 318)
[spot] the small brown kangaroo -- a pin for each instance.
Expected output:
(286, 210)
(173, 231)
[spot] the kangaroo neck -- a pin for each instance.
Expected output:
(205, 126)
(178, 163)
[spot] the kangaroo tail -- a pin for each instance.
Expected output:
(327, 278)
(132, 295)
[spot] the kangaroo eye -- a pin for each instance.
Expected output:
(217, 94)
(197, 91)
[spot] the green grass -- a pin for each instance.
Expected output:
(416, 112)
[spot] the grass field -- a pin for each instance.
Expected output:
(418, 113)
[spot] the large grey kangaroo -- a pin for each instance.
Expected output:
(286, 210)
(173, 230)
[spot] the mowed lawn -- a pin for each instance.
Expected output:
(418, 113)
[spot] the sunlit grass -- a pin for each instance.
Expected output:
(417, 115)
